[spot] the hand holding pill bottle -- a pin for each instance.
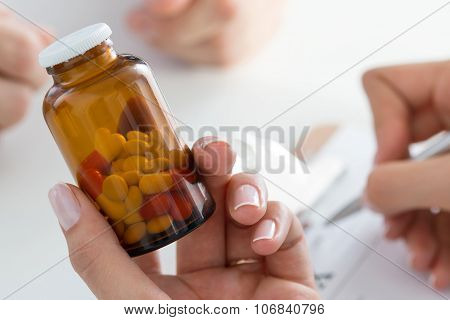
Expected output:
(116, 133)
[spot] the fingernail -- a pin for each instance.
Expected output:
(265, 230)
(65, 205)
(246, 195)
(206, 141)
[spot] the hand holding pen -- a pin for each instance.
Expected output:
(412, 103)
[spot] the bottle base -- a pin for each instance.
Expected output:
(180, 233)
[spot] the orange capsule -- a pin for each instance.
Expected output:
(155, 205)
(181, 208)
(91, 182)
(95, 161)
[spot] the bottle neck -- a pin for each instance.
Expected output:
(85, 66)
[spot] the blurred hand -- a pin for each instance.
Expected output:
(244, 226)
(207, 31)
(20, 74)
(411, 103)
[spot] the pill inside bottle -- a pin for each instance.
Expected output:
(117, 135)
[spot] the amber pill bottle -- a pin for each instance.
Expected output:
(117, 135)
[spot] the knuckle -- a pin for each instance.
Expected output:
(20, 100)
(441, 94)
(222, 50)
(279, 207)
(228, 9)
(310, 294)
(27, 50)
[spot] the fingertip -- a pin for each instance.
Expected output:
(65, 205)
(264, 240)
(213, 157)
(246, 198)
(247, 214)
(137, 20)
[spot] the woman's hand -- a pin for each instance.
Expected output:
(207, 31)
(244, 228)
(411, 103)
(20, 73)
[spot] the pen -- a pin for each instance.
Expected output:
(438, 145)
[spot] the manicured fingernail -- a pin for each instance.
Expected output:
(246, 195)
(206, 141)
(265, 230)
(65, 205)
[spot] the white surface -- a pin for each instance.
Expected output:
(357, 272)
(319, 40)
(351, 257)
(74, 44)
(286, 177)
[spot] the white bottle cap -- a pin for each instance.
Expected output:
(74, 44)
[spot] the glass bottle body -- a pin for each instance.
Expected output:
(116, 133)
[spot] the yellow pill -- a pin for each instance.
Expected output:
(134, 233)
(116, 166)
(134, 199)
(123, 155)
(157, 165)
(109, 145)
(133, 218)
(137, 135)
(138, 163)
(131, 177)
(159, 224)
(115, 187)
(136, 147)
(155, 183)
(178, 159)
(119, 228)
(114, 209)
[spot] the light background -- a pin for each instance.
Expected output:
(318, 40)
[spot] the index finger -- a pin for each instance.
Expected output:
(401, 99)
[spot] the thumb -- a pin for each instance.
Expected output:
(94, 250)
(400, 186)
